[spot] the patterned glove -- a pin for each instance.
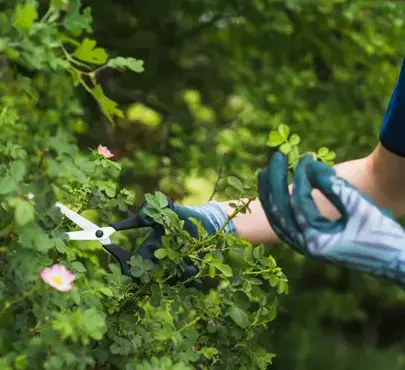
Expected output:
(366, 237)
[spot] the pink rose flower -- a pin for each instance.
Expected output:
(58, 277)
(103, 150)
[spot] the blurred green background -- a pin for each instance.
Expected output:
(219, 75)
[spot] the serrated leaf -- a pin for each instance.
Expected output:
(122, 64)
(255, 281)
(88, 52)
(275, 139)
(239, 316)
(294, 140)
(280, 287)
(329, 156)
(25, 15)
(75, 21)
(225, 269)
(285, 148)
(258, 252)
(160, 253)
(248, 254)
(108, 106)
(209, 352)
(33, 237)
(271, 315)
(60, 245)
(273, 280)
(7, 185)
(284, 131)
(323, 151)
(153, 201)
(78, 266)
(24, 212)
(17, 170)
(106, 291)
(271, 262)
(235, 182)
(162, 199)
(137, 271)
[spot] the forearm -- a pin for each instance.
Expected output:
(381, 176)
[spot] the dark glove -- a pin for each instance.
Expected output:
(211, 217)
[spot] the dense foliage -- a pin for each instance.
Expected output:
(96, 317)
(199, 87)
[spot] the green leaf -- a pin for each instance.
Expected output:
(294, 140)
(273, 280)
(78, 266)
(76, 22)
(107, 291)
(160, 253)
(258, 252)
(272, 262)
(17, 170)
(137, 271)
(329, 156)
(235, 182)
(225, 269)
(88, 52)
(153, 201)
(122, 64)
(275, 139)
(209, 352)
(24, 212)
(25, 15)
(211, 271)
(323, 151)
(255, 281)
(31, 236)
(239, 316)
(248, 254)
(162, 199)
(108, 186)
(272, 312)
(281, 286)
(284, 131)
(108, 106)
(7, 185)
(60, 245)
(285, 148)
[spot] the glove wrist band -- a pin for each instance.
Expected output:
(217, 216)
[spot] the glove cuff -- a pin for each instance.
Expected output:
(216, 214)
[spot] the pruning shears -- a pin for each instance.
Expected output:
(92, 231)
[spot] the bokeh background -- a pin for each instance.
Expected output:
(219, 75)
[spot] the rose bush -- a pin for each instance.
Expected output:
(66, 305)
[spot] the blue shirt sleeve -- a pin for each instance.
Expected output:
(392, 135)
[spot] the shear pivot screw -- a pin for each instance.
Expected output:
(99, 233)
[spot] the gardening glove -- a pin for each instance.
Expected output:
(211, 217)
(366, 237)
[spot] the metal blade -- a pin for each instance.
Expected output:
(82, 235)
(102, 235)
(84, 223)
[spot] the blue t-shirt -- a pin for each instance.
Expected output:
(392, 135)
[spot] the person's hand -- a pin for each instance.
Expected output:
(211, 217)
(366, 237)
